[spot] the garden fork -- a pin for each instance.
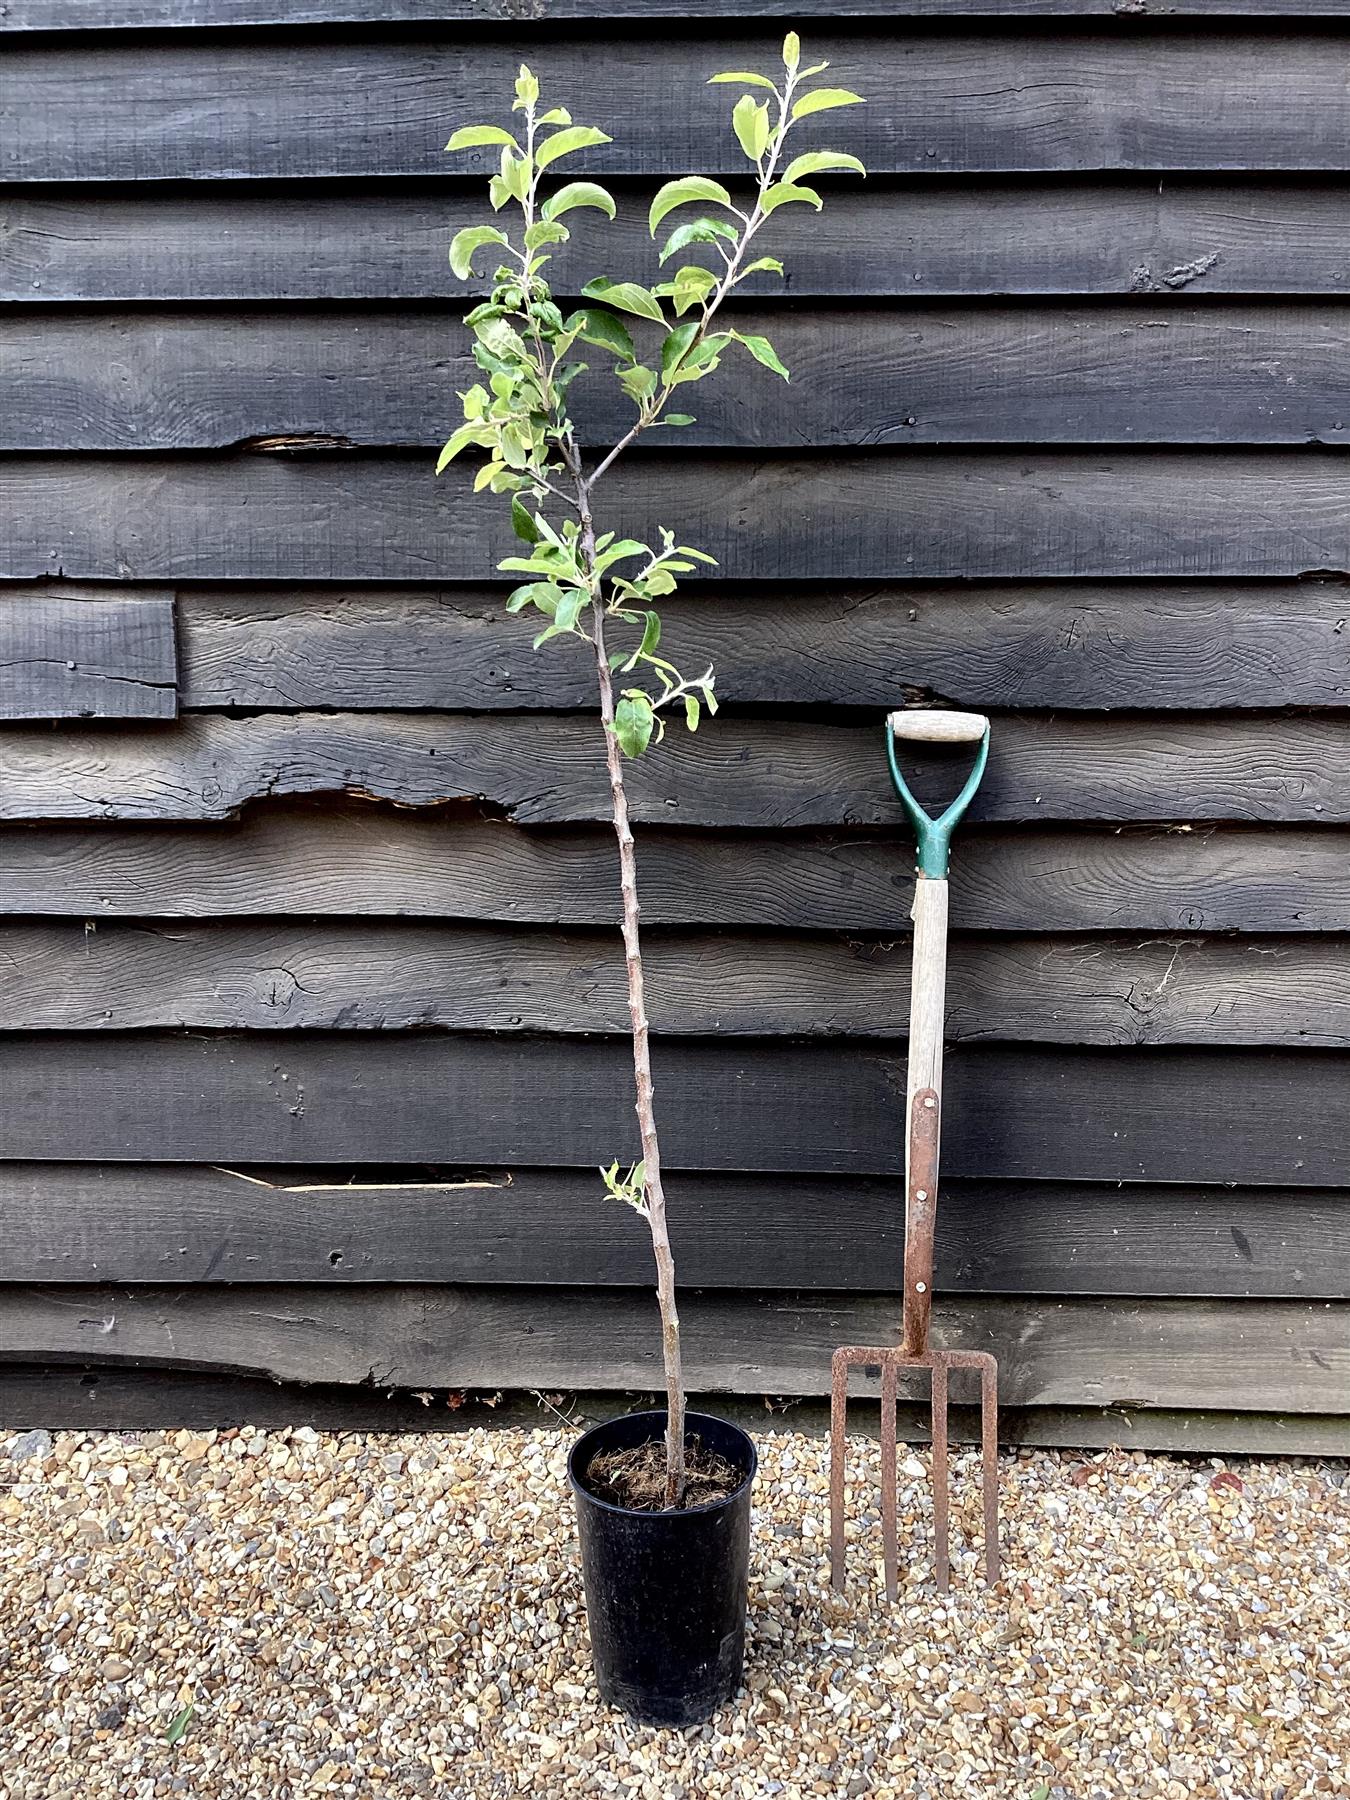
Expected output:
(923, 1136)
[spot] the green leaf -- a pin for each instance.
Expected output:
(638, 383)
(1041, 1791)
(543, 594)
(743, 79)
(633, 721)
(527, 87)
(672, 351)
(763, 352)
(459, 440)
(498, 193)
(678, 419)
(542, 564)
(577, 193)
(563, 143)
(498, 338)
(750, 121)
(522, 521)
(515, 174)
(792, 51)
(689, 286)
(627, 296)
(771, 263)
(651, 635)
(783, 193)
(465, 244)
(544, 231)
(620, 552)
(469, 137)
(606, 332)
(557, 115)
(179, 1724)
(814, 161)
(825, 100)
(705, 352)
(691, 711)
(681, 193)
(567, 613)
(698, 231)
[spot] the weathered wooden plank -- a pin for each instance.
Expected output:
(303, 860)
(1249, 1117)
(73, 655)
(1283, 1355)
(891, 515)
(359, 977)
(1197, 646)
(71, 1222)
(950, 100)
(1044, 236)
(1157, 373)
(64, 1396)
(540, 769)
(80, 15)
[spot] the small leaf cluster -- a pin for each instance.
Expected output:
(586, 583)
(630, 1188)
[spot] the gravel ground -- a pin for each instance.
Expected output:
(281, 1613)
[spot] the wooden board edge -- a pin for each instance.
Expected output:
(34, 1397)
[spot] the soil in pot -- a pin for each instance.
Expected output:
(636, 1477)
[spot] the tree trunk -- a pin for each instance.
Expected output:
(642, 1077)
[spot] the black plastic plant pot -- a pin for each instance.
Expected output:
(665, 1591)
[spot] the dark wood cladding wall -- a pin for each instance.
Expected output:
(310, 998)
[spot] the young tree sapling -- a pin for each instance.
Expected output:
(587, 583)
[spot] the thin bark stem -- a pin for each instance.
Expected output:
(644, 1102)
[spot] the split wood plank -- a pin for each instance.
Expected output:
(1044, 235)
(71, 655)
(891, 515)
(1195, 646)
(363, 862)
(1251, 1117)
(1142, 373)
(1277, 1355)
(83, 1222)
(128, 1399)
(121, 15)
(949, 100)
(754, 774)
(1099, 990)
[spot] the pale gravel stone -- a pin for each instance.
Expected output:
(357, 1615)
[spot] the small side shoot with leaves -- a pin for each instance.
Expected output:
(656, 339)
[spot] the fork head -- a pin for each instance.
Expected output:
(939, 1363)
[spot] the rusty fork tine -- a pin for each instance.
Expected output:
(941, 1553)
(989, 1469)
(838, 1411)
(890, 1546)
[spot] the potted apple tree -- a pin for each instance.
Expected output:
(663, 1498)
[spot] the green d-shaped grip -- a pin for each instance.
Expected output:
(934, 836)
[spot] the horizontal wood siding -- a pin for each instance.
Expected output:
(953, 100)
(310, 992)
(73, 15)
(891, 515)
(950, 236)
(861, 375)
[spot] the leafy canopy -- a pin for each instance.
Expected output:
(656, 338)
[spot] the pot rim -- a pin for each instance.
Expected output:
(684, 1512)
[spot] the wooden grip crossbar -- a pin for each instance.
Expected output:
(925, 727)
